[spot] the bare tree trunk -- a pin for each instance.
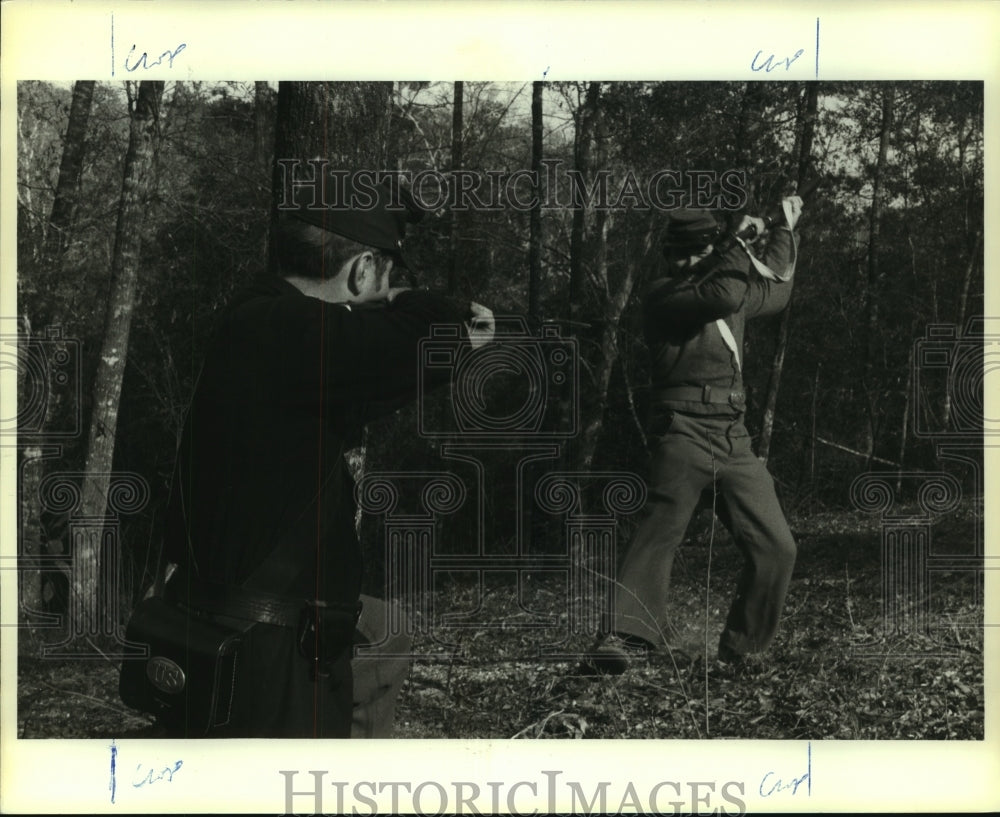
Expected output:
(773, 382)
(585, 116)
(906, 418)
(593, 417)
(812, 443)
(805, 142)
(457, 126)
(58, 236)
(59, 232)
(322, 120)
(136, 186)
(876, 275)
(594, 396)
(750, 114)
(963, 305)
(582, 161)
(613, 303)
(261, 109)
(535, 238)
(64, 207)
(299, 133)
(974, 258)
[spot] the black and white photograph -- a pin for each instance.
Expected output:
(457, 412)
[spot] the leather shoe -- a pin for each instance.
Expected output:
(612, 654)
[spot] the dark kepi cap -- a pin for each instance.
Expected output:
(373, 215)
(690, 228)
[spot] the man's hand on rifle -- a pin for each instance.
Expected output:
(791, 206)
(482, 326)
(758, 224)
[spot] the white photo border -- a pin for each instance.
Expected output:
(60, 41)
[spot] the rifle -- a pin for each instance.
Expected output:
(774, 217)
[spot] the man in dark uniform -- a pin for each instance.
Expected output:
(694, 326)
(262, 508)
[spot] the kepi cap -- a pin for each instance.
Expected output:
(373, 215)
(690, 228)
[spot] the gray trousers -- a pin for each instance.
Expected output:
(687, 459)
(379, 670)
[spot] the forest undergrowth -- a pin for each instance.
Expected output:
(511, 671)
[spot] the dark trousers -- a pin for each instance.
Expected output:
(276, 695)
(687, 459)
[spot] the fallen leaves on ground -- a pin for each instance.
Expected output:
(508, 667)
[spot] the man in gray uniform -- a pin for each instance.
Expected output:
(694, 321)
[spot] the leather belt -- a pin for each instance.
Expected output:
(247, 605)
(237, 603)
(702, 394)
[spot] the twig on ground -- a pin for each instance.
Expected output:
(847, 579)
(624, 709)
(101, 652)
(105, 704)
(540, 724)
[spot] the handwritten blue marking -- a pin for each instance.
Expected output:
(113, 784)
(167, 773)
(817, 48)
(142, 61)
(112, 61)
(770, 64)
(778, 785)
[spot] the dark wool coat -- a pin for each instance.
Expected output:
(287, 385)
